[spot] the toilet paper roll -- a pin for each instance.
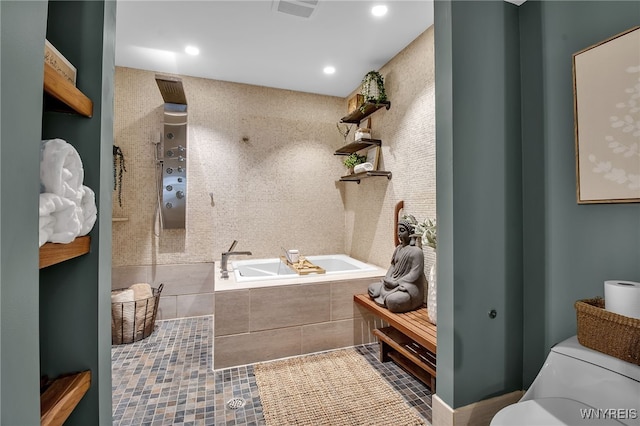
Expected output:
(364, 167)
(622, 297)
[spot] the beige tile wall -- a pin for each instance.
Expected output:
(273, 322)
(277, 189)
(407, 131)
(187, 292)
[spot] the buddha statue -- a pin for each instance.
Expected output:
(402, 289)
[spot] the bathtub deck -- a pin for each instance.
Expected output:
(410, 340)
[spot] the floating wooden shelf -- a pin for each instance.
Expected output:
(357, 146)
(60, 397)
(52, 253)
(356, 177)
(68, 97)
(363, 112)
(119, 219)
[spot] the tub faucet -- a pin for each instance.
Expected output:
(224, 273)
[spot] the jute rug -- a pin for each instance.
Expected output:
(334, 388)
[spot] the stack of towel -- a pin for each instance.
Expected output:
(132, 313)
(67, 207)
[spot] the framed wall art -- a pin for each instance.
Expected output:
(606, 88)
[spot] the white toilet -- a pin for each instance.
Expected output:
(578, 386)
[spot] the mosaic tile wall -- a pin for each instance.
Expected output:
(279, 188)
(275, 189)
(407, 131)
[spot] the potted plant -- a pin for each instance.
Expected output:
(373, 88)
(353, 160)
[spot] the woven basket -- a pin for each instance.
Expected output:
(133, 321)
(608, 332)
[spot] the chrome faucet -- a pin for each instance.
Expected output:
(224, 273)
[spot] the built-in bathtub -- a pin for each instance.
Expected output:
(253, 273)
(265, 311)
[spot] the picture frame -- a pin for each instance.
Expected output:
(607, 138)
(373, 156)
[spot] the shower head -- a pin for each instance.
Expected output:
(171, 89)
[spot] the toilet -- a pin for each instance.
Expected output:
(578, 386)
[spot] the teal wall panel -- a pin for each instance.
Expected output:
(22, 45)
(579, 246)
(479, 200)
(504, 112)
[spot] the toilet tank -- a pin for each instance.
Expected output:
(591, 377)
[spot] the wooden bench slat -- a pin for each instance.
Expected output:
(425, 336)
(410, 340)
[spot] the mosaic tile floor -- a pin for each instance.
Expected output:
(166, 379)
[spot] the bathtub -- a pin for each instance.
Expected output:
(253, 273)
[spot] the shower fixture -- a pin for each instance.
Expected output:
(172, 155)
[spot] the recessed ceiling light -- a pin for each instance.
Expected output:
(329, 70)
(379, 10)
(192, 50)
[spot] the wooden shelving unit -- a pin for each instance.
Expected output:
(357, 177)
(366, 110)
(67, 96)
(357, 146)
(356, 117)
(52, 253)
(61, 396)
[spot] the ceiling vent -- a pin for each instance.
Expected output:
(300, 8)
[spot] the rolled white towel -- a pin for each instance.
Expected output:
(89, 210)
(363, 167)
(46, 229)
(66, 225)
(61, 170)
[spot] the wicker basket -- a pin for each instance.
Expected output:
(133, 321)
(608, 332)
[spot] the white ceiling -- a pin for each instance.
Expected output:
(251, 42)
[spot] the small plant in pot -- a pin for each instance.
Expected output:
(353, 160)
(373, 88)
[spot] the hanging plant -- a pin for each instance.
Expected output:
(118, 169)
(373, 88)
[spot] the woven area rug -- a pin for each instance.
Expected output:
(331, 388)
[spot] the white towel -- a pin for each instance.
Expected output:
(66, 225)
(46, 228)
(61, 170)
(363, 167)
(89, 210)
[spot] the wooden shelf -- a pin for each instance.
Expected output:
(360, 114)
(356, 177)
(357, 146)
(61, 396)
(67, 96)
(52, 253)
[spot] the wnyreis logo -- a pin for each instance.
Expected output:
(609, 413)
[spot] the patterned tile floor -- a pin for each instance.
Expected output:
(166, 379)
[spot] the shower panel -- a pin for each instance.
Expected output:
(173, 204)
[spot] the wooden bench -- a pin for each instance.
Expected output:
(410, 340)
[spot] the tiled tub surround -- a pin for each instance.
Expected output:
(289, 317)
(187, 292)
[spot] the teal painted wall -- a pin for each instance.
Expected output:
(504, 111)
(479, 200)
(56, 320)
(22, 34)
(570, 249)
